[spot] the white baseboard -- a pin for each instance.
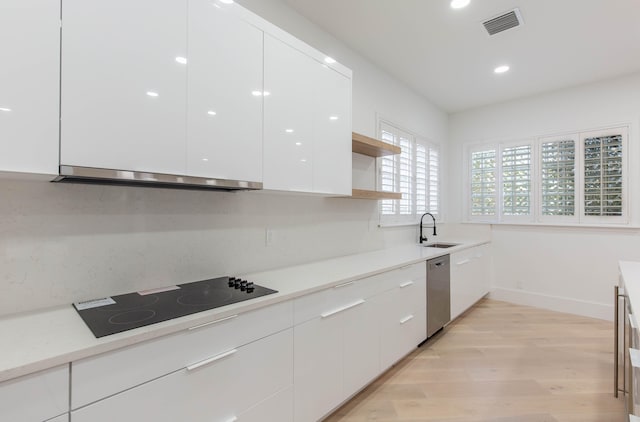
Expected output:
(554, 303)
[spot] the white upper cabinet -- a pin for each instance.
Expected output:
(332, 156)
(225, 93)
(307, 138)
(124, 73)
(29, 85)
(288, 135)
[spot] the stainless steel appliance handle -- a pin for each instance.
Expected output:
(615, 340)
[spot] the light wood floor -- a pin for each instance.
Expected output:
(500, 363)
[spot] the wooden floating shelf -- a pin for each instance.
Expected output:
(365, 145)
(372, 194)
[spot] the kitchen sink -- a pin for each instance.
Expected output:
(439, 245)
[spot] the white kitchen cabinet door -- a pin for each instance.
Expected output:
(288, 117)
(318, 367)
(36, 397)
(470, 277)
(217, 389)
(225, 78)
(124, 76)
(332, 156)
(361, 347)
(402, 319)
(29, 85)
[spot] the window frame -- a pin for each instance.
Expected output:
(397, 219)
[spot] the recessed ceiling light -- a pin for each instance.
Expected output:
(256, 93)
(211, 113)
(298, 143)
(329, 60)
(4, 109)
(266, 93)
(501, 69)
(333, 117)
(304, 160)
(289, 130)
(181, 60)
(459, 4)
(152, 94)
(205, 159)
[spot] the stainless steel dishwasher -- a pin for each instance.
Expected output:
(438, 294)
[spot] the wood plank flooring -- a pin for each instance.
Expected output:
(500, 363)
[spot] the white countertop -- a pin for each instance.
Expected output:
(47, 338)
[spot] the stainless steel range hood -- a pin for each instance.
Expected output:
(90, 175)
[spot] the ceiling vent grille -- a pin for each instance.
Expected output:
(503, 22)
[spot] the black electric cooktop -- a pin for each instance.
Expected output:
(133, 310)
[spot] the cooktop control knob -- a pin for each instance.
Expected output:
(232, 281)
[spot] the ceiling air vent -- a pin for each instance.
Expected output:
(503, 22)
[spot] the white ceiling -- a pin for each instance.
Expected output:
(446, 55)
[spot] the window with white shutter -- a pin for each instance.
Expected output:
(516, 180)
(571, 179)
(603, 183)
(414, 172)
(483, 183)
(558, 177)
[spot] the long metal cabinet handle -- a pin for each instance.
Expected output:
(212, 322)
(464, 261)
(348, 283)
(615, 340)
(406, 284)
(211, 360)
(344, 308)
(406, 319)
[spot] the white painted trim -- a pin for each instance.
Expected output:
(554, 303)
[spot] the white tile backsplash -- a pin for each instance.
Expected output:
(64, 243)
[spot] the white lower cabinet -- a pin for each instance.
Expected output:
(317, 367)
(403, 319)
(470, 277)
(36, 397)
(360, 329)
(219, 388)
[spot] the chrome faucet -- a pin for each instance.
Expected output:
(423, 238)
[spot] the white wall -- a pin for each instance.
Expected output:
(570, 269)
(64, 243)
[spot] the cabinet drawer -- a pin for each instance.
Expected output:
(220, 388)
(35, 397)
(403, 323)
(341, 295)
(101, 376)
(328, 301)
